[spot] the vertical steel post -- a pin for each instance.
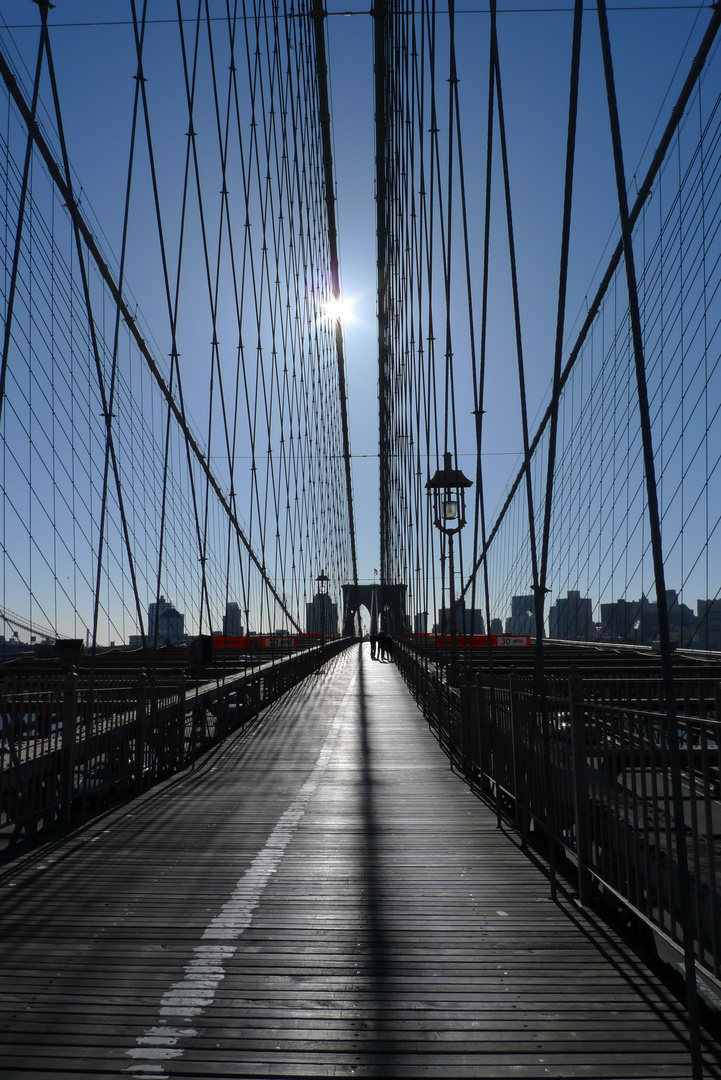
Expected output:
(519, 792)
(452, 678)
(141, 722)
(580, 786)
(70, 721)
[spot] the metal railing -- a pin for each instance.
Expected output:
(606, 801)
(73, 740)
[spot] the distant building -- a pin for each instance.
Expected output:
(497, 627)
(165, 624)
(232, 620)
(420, 623)
(637, 621)
(621, 620)
(321, 615)
(468, 620)
(682, 622)
(523, 616)
(571, 618)
(14, 646)
(708, 624)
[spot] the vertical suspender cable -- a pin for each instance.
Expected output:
(111, 398)
(540, 703)
(318, 17)
(479, 380)
(380, 32)
(563, 277)
(654, 519)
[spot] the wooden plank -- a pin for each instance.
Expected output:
(390, 928)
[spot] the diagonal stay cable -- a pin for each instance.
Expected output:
(12, 290)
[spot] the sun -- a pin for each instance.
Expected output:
(338, 309)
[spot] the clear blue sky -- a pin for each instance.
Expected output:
(653, 45)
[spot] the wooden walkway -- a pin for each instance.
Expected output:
(320, 897)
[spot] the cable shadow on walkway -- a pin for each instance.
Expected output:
(380, 1047)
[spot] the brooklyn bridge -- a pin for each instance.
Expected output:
(360, 657)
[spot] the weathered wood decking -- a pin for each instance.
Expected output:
(320, 897)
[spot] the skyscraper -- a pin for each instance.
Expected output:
(232, 620)
(321, 615)
(165, 624)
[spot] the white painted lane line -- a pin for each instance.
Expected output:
(195, 992)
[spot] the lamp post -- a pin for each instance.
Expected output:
(322, 580)
(449, 507)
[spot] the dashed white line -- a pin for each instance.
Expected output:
(195, 992)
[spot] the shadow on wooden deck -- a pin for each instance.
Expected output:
(321, 896)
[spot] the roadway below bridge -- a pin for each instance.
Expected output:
(320, 896)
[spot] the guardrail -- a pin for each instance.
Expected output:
(601, 789)
(73, 740)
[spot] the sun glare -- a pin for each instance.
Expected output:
(338, 309)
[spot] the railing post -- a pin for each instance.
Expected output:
(469, 723)
(485, 736)
(70, 721)
(580, 786)
(179, 748)
(25, 809)
(141, 723)
(516, 751)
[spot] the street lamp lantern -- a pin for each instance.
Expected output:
(449, 504)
